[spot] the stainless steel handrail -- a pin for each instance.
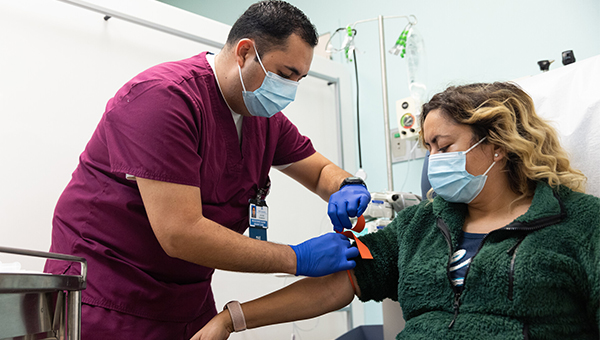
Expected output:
(47, 255)
(143, 22)
(73, 318)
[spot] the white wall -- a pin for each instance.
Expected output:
(61, 63)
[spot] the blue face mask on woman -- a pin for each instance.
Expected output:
(450, 179)
(273, 95)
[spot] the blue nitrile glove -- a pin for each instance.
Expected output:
(350, 201)
(324, 255)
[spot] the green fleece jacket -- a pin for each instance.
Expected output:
(536, 278)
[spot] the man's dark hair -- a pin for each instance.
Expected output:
(269, 23)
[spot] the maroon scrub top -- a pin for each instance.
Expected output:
(170, 123)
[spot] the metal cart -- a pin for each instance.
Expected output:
(41, 306)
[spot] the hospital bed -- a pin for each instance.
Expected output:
(570, 98)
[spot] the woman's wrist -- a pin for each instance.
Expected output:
(227, 322)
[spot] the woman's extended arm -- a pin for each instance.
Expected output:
(303, 299)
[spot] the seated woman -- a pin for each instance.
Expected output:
(508, 249)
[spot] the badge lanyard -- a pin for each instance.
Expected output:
(259, 213)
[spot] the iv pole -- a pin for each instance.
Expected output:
(386, 109)
(384, 86)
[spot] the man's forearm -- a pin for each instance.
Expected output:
(318, 174)
(330, 179)
(175, 214)
(211, 245)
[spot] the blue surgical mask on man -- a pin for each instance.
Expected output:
(450, 179)
(273, 95)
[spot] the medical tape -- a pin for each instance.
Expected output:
(365, 253)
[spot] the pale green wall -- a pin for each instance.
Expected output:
(466, 41)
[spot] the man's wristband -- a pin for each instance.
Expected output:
(353, 180)
(237, 315)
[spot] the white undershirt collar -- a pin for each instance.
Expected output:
(237, 118)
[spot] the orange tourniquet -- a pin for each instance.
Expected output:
(362, 248)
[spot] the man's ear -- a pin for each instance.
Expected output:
(244, 51)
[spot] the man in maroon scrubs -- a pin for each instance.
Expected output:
(161, 193)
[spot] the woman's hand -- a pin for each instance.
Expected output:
(218, 328)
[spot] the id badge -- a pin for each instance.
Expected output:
(259, 220)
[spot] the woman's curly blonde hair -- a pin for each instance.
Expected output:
(506, 115)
